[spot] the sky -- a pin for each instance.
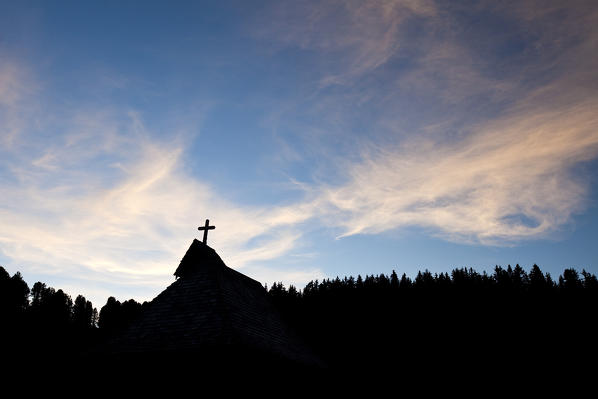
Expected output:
(321, 138)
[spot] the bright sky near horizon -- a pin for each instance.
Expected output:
(321, 138)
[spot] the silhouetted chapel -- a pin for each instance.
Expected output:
(212, 317)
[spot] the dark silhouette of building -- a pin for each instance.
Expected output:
(212, 317)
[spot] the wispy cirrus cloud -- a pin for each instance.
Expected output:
(98, 198)
(503, 114)
(359, 36)
(511, 180)
(16, 84)
(431, 130)
(126, 229)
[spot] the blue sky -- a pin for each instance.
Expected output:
(322, 138)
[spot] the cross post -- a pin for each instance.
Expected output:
(205, 230)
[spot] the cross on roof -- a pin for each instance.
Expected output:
(205, 230)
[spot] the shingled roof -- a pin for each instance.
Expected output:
(212, 308)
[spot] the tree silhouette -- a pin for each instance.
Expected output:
(363, 323)
(83, 313)
(114, 316)
(110, 315)
(5, 293)
(569, 282)
(18, 293)
(510, 313)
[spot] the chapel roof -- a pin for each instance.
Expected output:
(212, 306)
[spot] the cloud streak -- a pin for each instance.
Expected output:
(16, 84)
(92, 193)
(103, 200)
(361, 35)
(510, 180)
(488, 154)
